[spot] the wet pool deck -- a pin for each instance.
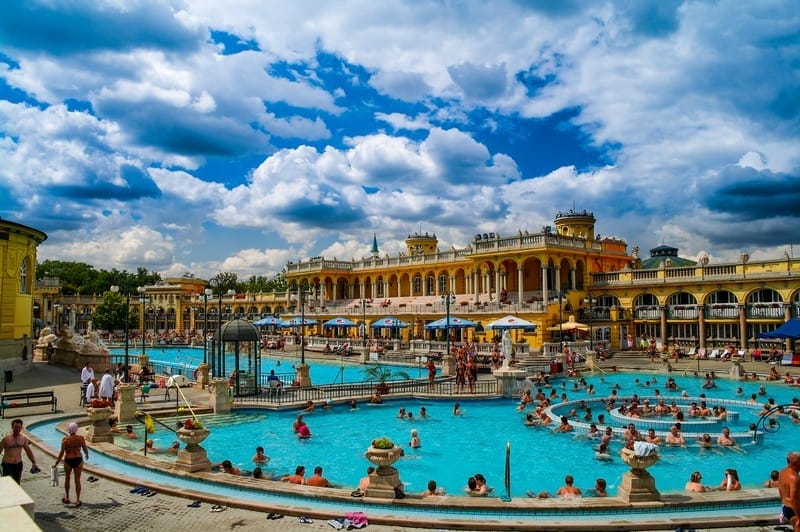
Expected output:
(109, 505)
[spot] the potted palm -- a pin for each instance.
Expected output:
(381, 374)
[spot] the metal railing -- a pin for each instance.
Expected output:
(362, 391)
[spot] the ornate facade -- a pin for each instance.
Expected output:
(544, 277)
(18, 245)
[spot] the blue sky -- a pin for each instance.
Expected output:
(203, 136)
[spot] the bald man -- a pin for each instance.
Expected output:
(789, 489)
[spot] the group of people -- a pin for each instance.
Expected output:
(569, 491)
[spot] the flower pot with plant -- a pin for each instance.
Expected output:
(382, 374)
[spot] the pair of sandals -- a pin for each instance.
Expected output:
(218, 508)
(195, 504)
(92, 479)
(140, 490)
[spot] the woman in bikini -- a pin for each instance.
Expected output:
(71, 447)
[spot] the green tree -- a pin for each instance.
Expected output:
(81, 278)
(227, 281)
(110, 314)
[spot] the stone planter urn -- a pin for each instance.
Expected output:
(637, 484)
(386, 478)
(193, 457)
(100, 430)
(192, 437)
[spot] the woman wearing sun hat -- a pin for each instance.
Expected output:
(71, 447)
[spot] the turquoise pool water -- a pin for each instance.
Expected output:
(183, 361)
(456, 447)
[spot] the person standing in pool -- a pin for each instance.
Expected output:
(789, 490)
(260, 457)
(71, 447)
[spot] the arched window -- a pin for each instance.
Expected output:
(443, 288)
(417, 284)
(23, 276)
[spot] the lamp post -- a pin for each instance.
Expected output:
(561, 343)
(447, 299)
(207, 292)
(590, 301)
(364, 321)
(300, 297)
(142, 300)
(115, 289)
(218, 367)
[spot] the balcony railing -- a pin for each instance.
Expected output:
(722, 310)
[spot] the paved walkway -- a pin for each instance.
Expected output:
(109, 505)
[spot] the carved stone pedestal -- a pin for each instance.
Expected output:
(99, 431)
(193, 457)
(386, 478)
(218, 398)
(303, 377)
(637, 484)
(507, 378)
(203, 379)
(125, 406)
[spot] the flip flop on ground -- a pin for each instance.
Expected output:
(218, 508)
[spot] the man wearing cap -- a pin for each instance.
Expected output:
(71, 447)
(12, 445)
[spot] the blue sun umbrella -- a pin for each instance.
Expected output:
(339, 322)
(388, 322)
(296, 322)
(454, 323)
(269, 320)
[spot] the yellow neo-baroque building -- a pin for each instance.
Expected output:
(557, 273)
(18, 245)
(562, 271)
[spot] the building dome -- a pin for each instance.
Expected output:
(667, 257)
(239, 330)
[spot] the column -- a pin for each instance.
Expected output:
(572, 283)
(558, 278)
(519, 285)
(544, 285)
(663, 310)
(475, 284)
(497, 283)
(701, 324)
(742, 326)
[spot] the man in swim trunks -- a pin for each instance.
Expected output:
(13, 444)
(789, 489)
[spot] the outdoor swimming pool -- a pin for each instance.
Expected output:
(456, 447)
(185, 359)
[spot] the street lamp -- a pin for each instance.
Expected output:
(364, 320)
(590, 301)
(115, 289)
(300, 297)
(142, 300)
(218, 368)
(207, 292)
(447, 299)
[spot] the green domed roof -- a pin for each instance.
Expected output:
(665, 255)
